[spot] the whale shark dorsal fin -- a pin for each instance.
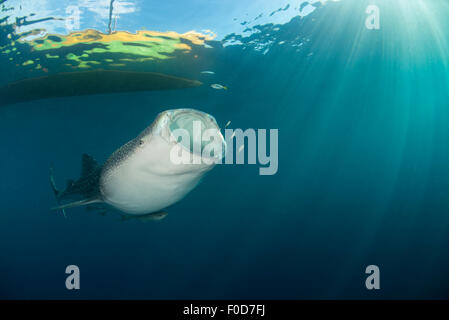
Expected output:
(80, 203)
(88, 165)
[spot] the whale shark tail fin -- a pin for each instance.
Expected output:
(52, 181)
(88, 165)
(81, 192)
(53, 186)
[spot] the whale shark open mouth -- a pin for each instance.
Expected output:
(197, 128)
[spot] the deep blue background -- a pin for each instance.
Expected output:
(363, 175)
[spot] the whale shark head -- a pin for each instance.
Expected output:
(161, 165)
(186, 140)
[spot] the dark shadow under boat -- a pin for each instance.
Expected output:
(89, 83)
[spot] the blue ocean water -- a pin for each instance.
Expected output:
(363, 173)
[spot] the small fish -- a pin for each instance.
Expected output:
(227, 124)
(218, 86)
(207, 72)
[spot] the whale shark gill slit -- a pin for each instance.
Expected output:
(89, 83)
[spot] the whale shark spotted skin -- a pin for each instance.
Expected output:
(139, 179)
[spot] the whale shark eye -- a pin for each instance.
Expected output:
(141, 142)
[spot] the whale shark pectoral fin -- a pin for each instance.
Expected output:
(153, 216)
(146, 217)
(77, 204)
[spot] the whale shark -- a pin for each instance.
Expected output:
(140, 180)
(91, 82)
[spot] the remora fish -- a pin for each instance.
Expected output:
(218, 86)
(140, 179)
(88, 83)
